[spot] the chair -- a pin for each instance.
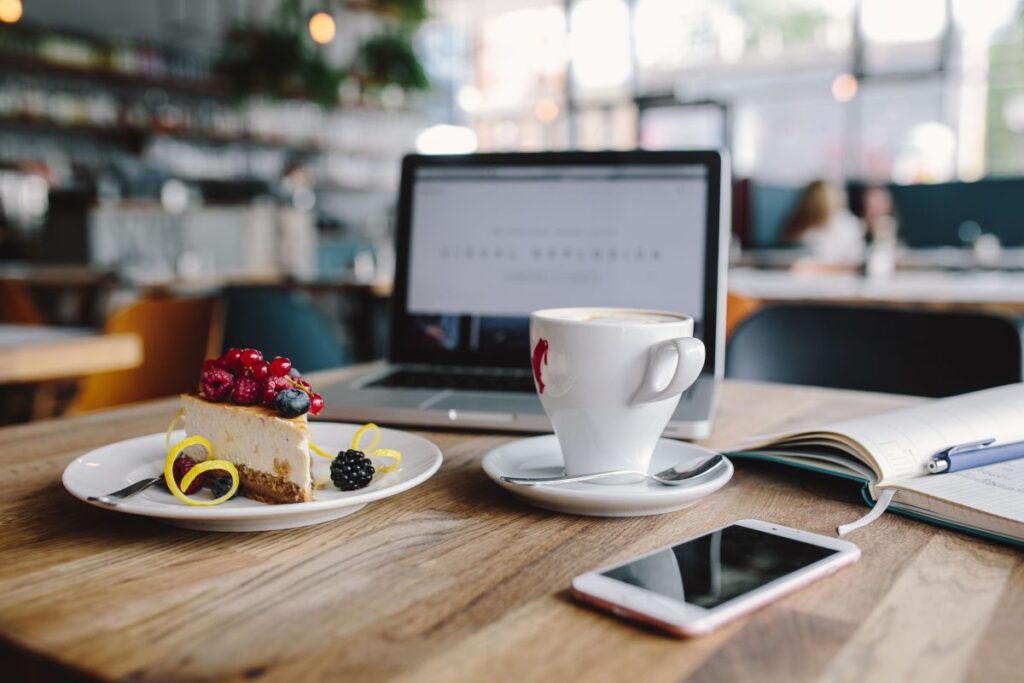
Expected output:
(177, 335)
(16, 305)
(281, 322)
(737, 309)
(890, 350)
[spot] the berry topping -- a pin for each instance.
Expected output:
(215, 384)
(181, 467)
(280, 366)
(210, 364)
(221, 485)
(271, 387)
(294, 373)
(246, 391)
(316, 404)
(292, 403)
(351, 470)
(249, 358)
(260, 370)
(230, 360)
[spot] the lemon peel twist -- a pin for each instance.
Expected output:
(388, 453)
(377, 453)
(207, 465)
(171, 425)
(358, 436)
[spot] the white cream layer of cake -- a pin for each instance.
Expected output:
(254, 437)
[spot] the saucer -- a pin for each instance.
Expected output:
(540, 456)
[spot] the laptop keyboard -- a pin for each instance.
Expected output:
(455, 378)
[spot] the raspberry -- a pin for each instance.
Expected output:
(270, 387)
(215, 384)
(316, 404)
(180, 468)
(246, 391)
(280, 366)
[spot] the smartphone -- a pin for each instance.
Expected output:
(693, 587)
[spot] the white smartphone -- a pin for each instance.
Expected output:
(693, 587)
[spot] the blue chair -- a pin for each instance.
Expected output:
(923, 353)
(281, 322)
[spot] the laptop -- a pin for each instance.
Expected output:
(483, 240)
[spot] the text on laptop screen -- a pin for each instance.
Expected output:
(489, 245)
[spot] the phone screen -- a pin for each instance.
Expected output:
(712, 569)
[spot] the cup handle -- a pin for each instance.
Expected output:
(689, 363)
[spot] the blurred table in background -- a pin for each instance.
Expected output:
(63, 294)
(31, 353)
(991, 291)
(932, 258)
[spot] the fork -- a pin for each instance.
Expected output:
(130, 490)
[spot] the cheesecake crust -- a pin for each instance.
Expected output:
(267, 488)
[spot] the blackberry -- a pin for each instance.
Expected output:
(352, 470)
(221, 485)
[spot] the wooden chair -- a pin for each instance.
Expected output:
(177, 335)
(737, 309)
(16, 305)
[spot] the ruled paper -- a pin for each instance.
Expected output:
(995, 489)
(903, 441)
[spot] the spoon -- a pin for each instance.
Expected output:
(670, 477)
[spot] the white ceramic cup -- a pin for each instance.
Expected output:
(610, 379)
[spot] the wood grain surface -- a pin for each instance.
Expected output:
(33, 354)
(457, 581)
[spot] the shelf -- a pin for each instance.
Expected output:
(21, 64)
(135, 134)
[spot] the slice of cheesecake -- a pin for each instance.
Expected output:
(270, 452)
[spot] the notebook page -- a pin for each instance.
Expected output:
(903, 441)
(995, 489)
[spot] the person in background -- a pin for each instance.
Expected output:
(823, 225)
(877, 208)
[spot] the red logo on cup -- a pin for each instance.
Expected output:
(540, 355)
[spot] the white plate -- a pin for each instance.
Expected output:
(115, 466)
(540, 456)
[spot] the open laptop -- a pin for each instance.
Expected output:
(484, 239)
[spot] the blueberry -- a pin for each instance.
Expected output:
(294, 373)
(292, 403)
(220, 486)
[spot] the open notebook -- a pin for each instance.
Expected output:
(889, 452)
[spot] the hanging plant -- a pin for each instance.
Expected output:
(388, 58)
(411, 11)
(278, 61)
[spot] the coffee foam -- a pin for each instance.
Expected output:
(623, 317)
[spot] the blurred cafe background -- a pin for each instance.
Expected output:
(179, 175)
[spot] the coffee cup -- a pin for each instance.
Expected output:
(609, 380)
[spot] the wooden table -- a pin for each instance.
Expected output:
(456, 580)
(34, 353)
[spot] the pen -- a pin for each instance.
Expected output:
(974, 454)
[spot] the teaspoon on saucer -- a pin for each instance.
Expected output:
(672, 476)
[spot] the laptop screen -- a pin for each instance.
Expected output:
(489, 244)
